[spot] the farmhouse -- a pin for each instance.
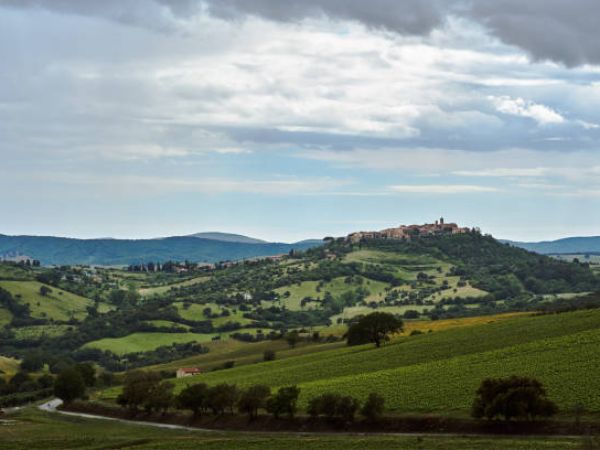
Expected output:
(188, 372)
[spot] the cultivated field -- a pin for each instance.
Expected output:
(33, 430)
(439, 372)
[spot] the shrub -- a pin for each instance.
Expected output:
(269, 355)
(373, 408)
(228, 364)
(512, 398)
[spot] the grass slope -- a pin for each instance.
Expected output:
(8, 366)
(144, 342)
(159, 290)
(58, 305)
(439, 371)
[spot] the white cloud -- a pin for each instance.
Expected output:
(518, 106)
(442, 188)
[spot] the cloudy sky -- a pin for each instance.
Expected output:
(299, 118)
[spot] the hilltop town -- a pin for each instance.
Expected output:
(408, 232)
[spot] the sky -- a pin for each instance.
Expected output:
(295, 119)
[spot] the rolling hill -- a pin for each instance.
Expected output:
(575, 245)
(52, 250)
(439, 372)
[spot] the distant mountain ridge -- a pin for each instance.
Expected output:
(51, 250)
(228, 237)
(588, 244)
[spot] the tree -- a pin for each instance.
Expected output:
(45, 381)
(512, 398)
(221, 397)
(253, 399)
(292, 338)
(194, 398)
(69, 385)
(373, 408)
(375, 328)
(332, 405)
(137, 389)
(160, 397)
(284, 402)
(32, 362)
(45, 290)
(88, 373)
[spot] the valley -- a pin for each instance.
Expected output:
(471, 308)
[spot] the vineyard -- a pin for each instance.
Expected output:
(439, 371)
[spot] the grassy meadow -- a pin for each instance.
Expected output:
(57, 305)
(30, 429)
(144, 342)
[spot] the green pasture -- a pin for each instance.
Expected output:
(57, 305)
(195, 311)
(39, 331)
(5, 317)
(8, 366)
(167, 324)
(145, 342)
(163, 289)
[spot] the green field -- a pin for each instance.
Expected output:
(57, 305)
(11, 271)
(438, 372)
(335, 287)
(167, 324)
(38, 331)
(158, 290)
(145, 342)
(5, 316)
(33, 430)
(243, 353)
(195, 311)
(8, 365)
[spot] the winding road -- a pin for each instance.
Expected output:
(52, 407)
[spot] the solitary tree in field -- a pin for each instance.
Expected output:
(375, 327)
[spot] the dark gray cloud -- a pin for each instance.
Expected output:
(416, 17)
(559, 30)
